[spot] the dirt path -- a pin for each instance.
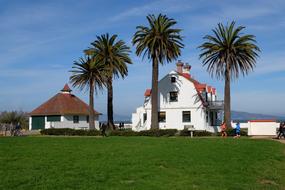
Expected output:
(280, 140)
(269, 138)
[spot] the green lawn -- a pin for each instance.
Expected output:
(140, 163)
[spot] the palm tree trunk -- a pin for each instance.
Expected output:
(227, 97)
(110, 103)
(91, 106)
(154, 95)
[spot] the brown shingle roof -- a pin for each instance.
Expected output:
(63, 104)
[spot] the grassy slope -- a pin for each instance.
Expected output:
(140, 163)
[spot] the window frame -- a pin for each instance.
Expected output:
(173, 79)
(144, 117)
(53, 118)
(183, 117)
(160, 119)
(76, 119)
(172, 100)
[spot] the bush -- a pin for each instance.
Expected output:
(70, 132)
(195, 133)
(158, 133)
(149, 133)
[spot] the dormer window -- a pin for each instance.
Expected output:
(173, 96)
(173, 79)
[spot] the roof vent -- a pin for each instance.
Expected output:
(66, 89)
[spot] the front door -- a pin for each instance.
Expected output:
(38, 122)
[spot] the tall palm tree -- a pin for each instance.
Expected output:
(227, 54)
(90, 74)
(114, 55)
(161, 43)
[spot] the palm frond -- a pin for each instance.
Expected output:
(228, 47)
(159, 40)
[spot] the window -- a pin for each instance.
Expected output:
(173, 96)
(186, 116)
(144, 117)
(75, 119)
(53, 118)
(161, 116)
(87, 119)
(173, 79)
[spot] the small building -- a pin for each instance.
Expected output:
(64, 110)
(260, 127)
(183, 103)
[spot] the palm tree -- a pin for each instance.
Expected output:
(161, 43)
(114, 55)
(90, 74)
(227, 54)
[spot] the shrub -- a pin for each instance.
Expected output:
(70, 132)
(150, 133)
(195, 133)
(158, 132)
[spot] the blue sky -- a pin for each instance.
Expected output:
(39, 40)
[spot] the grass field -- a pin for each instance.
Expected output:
(140, 163)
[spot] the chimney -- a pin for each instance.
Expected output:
(179, 66)
(186, 68)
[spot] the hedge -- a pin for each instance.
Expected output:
(79, 132)
(70, 132)
(150, 133)
(196, 133)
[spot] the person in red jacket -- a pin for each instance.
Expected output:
(223, 130)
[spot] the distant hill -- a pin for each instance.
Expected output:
(236, 115)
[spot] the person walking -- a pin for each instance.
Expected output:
(237, 130)
(281, 130)
(18, 129)
(223, 130)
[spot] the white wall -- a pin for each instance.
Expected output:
(259, 128)
(263, 128)
(67, 122)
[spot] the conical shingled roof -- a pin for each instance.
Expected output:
(63, 104)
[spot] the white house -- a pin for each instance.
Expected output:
(64, 110)
(183, 103)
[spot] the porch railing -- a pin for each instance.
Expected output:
(215, 105)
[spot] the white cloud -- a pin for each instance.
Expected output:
(165, 6)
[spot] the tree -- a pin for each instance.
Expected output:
(90, 74)
(161, 43)
(15, 117)
(114, 55)
(227, 54)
